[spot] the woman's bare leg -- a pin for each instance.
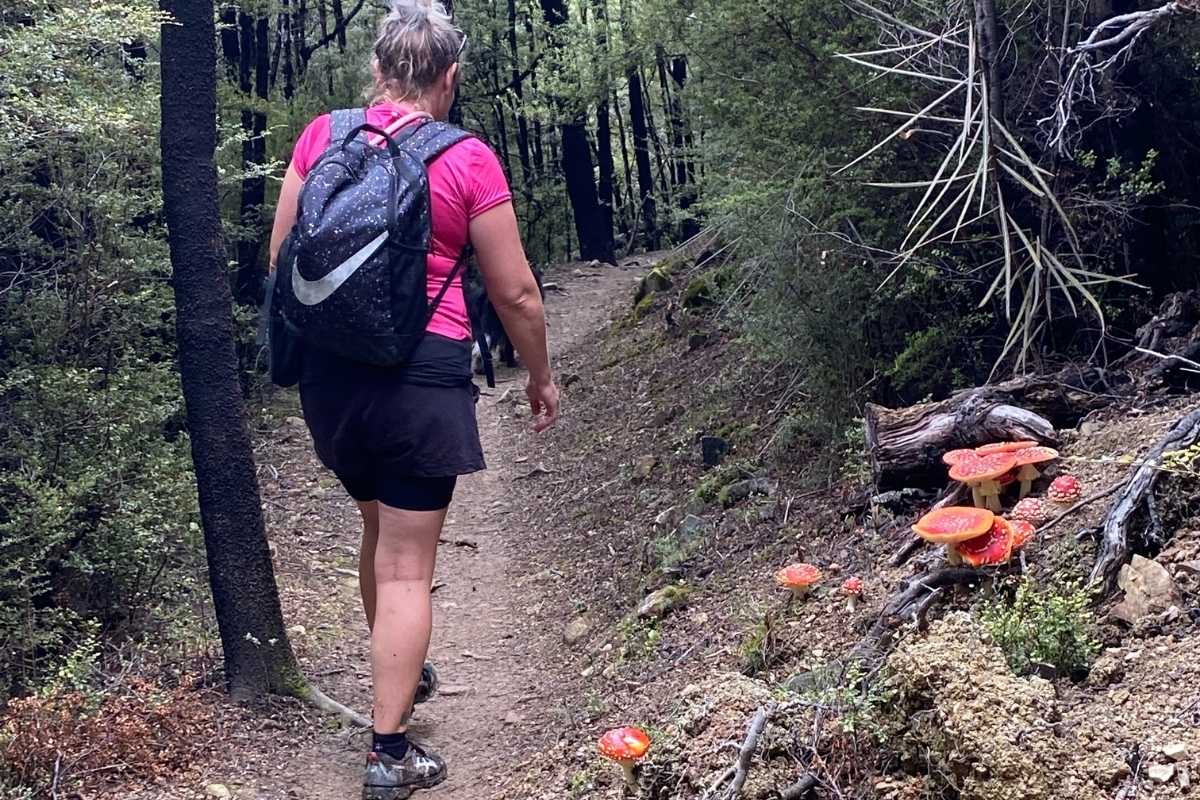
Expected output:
(366, 558)
(404, 560)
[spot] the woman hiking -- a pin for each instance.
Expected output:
(398, 437)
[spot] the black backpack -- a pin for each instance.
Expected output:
(350, 278)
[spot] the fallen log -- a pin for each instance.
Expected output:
(906, 444)
(1117, 529)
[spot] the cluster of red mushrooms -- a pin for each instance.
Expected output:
(799, 579)
(977, 535)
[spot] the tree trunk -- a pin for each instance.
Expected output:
(255, 48)
(339, 24)
(595, 237)
(518, 89)
(285, 41)
(657, 140)
(987, 34)
(630, 192)
(682, 168)
(604, 154)
(641, 155)
(258, 656)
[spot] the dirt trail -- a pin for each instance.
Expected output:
(495, 695)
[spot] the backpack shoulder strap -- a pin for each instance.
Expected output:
(344, 120)
(432, 139)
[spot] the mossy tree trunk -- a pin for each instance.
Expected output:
(258, 656)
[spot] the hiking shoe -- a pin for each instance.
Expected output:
(397, 778)
(427, 686)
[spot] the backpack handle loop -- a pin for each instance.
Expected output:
(393, 148)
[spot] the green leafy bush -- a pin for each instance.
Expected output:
(1046, 626)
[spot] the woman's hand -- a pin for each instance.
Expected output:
(543, 401)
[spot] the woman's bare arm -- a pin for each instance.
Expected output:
(514, 293)
(285, 212)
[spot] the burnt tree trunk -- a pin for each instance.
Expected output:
(681, 142)
(595, 238)
(641, 157)
(626, 201)
(906, 444)
(258, 656)
(254, 35)
(518, 89)
(604, 153)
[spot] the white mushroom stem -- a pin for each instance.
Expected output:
(630, 778)
(976, 497)
(1027, 475)
(852, 602)
(990, 492)
(953, 557)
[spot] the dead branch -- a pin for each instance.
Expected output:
(1114, 548)
(741, 767)
(1087, 501)
(799, 789)
(906, 604)
(1121, 32)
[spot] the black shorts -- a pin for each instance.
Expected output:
(397, 435)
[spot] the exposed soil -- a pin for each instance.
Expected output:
(497, 701)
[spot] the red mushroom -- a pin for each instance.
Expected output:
(1003, 446)
(852, 588)
(953, 524)
(1064, 490)
(1023, 531)
(1027, 472)
(626, 746)
(1029, 509)
(798, 578)
(994, 547)
(952, 457)
(982, 475)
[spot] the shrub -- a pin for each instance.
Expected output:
(1047, 626)
(68, 737)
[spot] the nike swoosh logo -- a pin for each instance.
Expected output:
(312, 292)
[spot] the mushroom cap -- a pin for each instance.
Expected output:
(1034, 455)
(994, 547)
(853, 585)
(954, 524)
(1028, 509)
(798, 576)
(952, 457)
(983, 468)
(1023, 531)
(1003, 447)
(1064, 489)
(624, 744)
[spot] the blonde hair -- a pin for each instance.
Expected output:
(417, 42)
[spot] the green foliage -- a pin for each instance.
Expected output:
(639, 638)
(97, 507)
(1047, 626)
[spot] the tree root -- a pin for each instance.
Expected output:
(318, 699)
(1115, 546)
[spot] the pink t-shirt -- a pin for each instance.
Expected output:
(464, 182)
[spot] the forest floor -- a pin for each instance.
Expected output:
(496, 697)
(550, 554)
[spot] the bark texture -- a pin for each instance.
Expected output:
(258, 656)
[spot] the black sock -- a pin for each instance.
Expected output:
(394, 744)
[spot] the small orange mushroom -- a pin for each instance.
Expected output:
(852, 588)
(626, 746)
(798, 578)
(982, 475)
(1027, 473)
